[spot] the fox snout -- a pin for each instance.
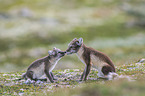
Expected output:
(62, 53)
(68, 52)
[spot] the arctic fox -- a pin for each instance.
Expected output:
(91, 57)
(44, 65)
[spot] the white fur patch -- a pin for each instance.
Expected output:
(79, 54)
(53, 64)
(39, 71)
(112, 75)
(98, 64)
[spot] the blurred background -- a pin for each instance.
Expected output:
(29, 28)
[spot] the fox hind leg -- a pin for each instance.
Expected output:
(52, 75)
(106, 70)
(30, 74)
(45, 79)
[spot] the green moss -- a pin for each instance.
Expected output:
(68, 86)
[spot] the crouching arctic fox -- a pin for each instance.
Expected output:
(91, 57)
(43, 66)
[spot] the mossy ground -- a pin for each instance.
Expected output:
(130, 83)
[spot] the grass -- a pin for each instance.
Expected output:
(107, 89)
(68, 84)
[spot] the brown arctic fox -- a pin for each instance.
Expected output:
(43, 66)
(91, 57)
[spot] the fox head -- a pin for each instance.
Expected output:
(56, 53)
(74, 46)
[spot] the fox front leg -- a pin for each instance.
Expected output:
(88, 68)
(48, 74)
(82, 76)
(53, 76)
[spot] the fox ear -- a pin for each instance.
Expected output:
(75, 39)
(54, 48)
(50, 52)
(72, 41)
(80, 41)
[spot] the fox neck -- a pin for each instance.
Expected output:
(81, 50)
(54, 61)
(80, 53)
(50, 60)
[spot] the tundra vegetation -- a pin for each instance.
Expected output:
(29, 28)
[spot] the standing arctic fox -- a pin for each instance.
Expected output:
(91, 57)
(44, 65)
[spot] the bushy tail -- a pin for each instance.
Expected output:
(115, 76)
(112, 75)
(23, 77)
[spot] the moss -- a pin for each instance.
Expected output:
(72, 86)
